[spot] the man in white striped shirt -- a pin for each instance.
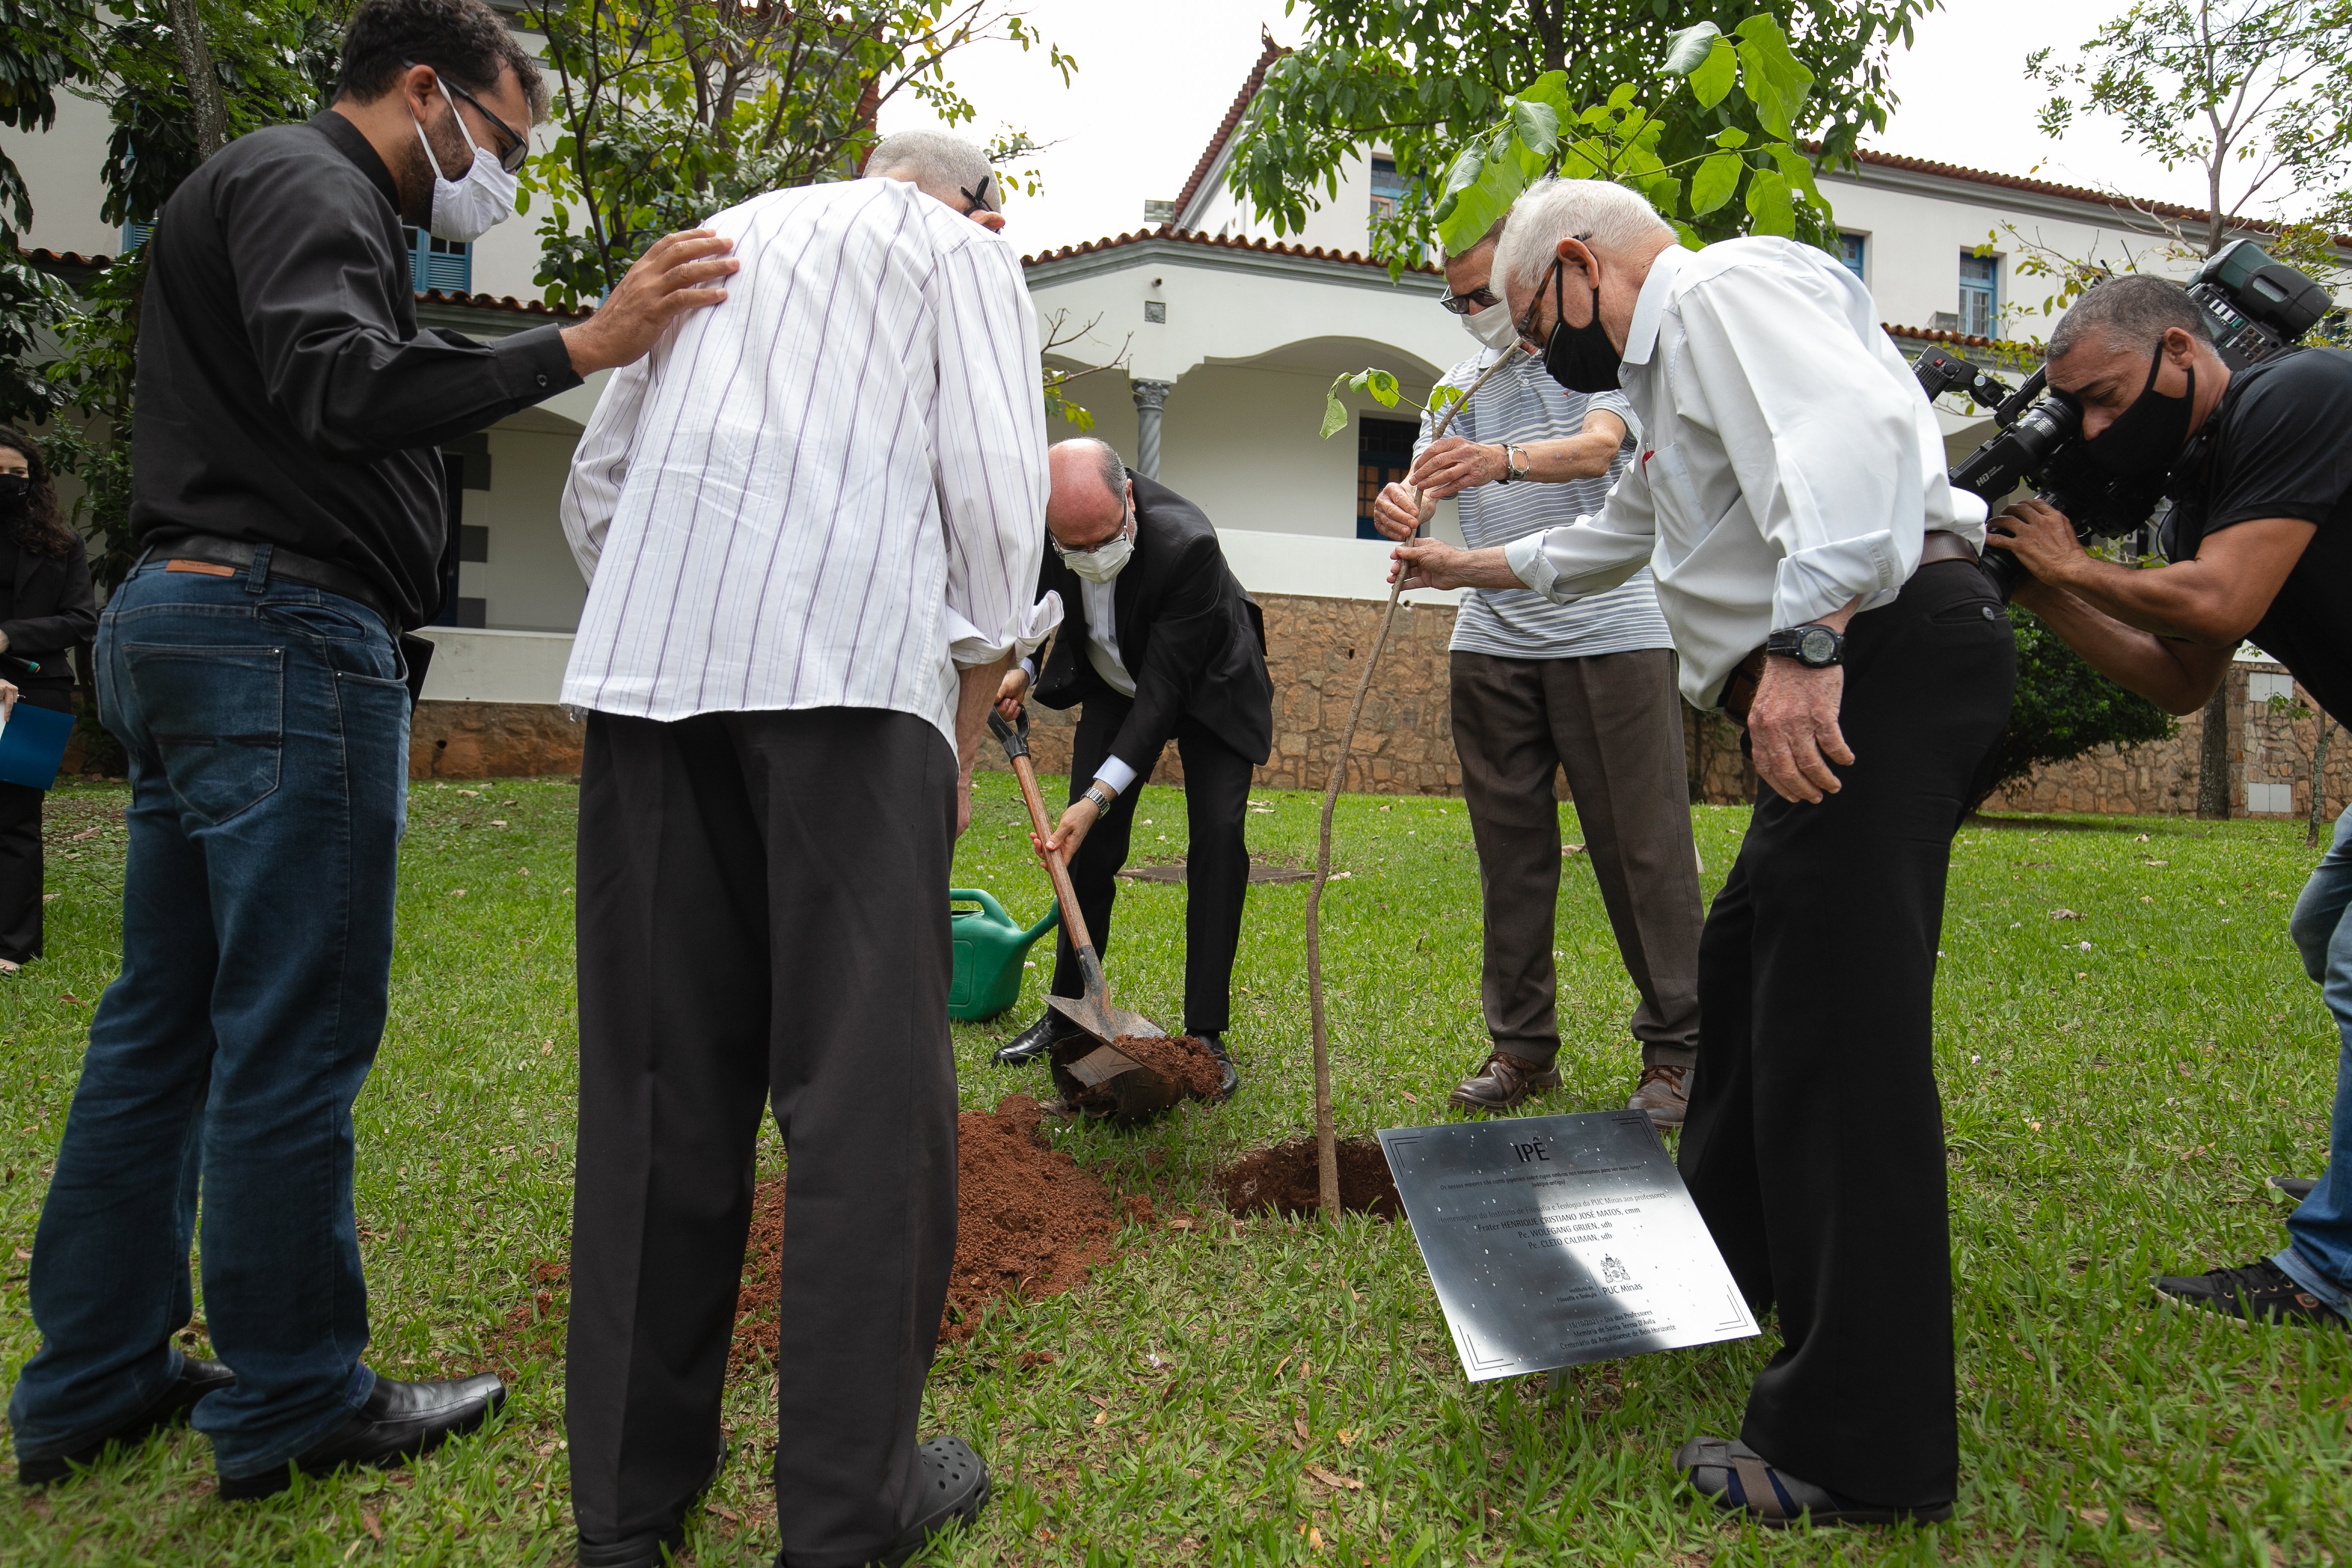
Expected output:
(1536, 688)
(811, 519)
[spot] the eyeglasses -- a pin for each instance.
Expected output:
(514, 145)
(1527, 322)
(979, 198)
(1479, 299)
(1126, 517)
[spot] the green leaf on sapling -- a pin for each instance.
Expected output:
(1732, 138)
(1383, 386)
(1538, 125)
(1798, 171)
(1775, 81)
(1715, 75)
(1716, 181)
(1690, 48)
(1443, 397)
(1335, 415)
(1770, 209)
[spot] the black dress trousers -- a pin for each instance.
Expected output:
(1815, 1143)
(1216, 862)
(21, 870)
(763, 920)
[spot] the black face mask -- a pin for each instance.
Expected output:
(16, 490)
(1581, 359)
(2146, 438)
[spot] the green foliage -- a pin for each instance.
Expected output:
(2255, 95)
(1438, 86)
(275, 61)
(666, 112)
(1382, 388)
(1541, 132)
(2064, 708)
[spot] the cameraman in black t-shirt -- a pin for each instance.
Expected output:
(2259, 465)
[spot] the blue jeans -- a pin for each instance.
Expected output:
(268, 729)
(2318, 1256)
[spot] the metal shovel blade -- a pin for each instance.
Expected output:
(1093, 1011)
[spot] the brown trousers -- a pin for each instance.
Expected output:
(1613, 721)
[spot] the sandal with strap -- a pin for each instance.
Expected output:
(1742, 1482)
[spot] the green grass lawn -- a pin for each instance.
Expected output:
(2111, 1111)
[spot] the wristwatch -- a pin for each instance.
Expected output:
(1515, 463)
(1101, 796)
(1812, 644)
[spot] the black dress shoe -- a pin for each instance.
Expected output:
(1215, 1040)
(398, 1422)
(196, 1379)
(1035, 1040)
(2299, 1188)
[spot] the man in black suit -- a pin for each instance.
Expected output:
(1158, 642)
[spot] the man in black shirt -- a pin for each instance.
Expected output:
(2260, 540)
(286, 488)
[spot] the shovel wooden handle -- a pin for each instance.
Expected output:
(1016, 749)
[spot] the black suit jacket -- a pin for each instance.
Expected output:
(45, 607)
(1194, 641)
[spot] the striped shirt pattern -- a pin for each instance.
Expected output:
(827, 491)
(1523, 403)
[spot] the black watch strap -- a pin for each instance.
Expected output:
(1812, 644)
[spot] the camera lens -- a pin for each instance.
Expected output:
(2047, 426)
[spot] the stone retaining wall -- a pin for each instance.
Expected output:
(1406, 743)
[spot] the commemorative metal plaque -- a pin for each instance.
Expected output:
(1555, 1240)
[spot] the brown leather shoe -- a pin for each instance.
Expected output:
(1664, 1093)
(1504, 1081)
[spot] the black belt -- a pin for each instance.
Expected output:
(212, 549)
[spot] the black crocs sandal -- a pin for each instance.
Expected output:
(1739, 1480)
(955, 1489)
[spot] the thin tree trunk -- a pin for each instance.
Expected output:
(2318, 782)
(1326, 1141)
(204, 101)
(2213, 755)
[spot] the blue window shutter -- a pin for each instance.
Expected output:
(134, 234)
(449, 266)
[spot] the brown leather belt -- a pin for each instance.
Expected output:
(1941, 545)
(1740, 692)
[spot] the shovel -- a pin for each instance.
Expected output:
(1139, 1091)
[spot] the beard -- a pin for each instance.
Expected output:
(414, 173)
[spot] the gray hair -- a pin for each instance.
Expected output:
(1108, 463)
(1606, 216)
(939, 164)
(2134, 311)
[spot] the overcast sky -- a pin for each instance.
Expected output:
(1154, 81)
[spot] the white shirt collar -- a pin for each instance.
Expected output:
(1641, 332)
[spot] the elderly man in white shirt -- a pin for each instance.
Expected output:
(1820, 580)
(811, 519)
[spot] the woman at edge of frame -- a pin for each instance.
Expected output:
(47, 606)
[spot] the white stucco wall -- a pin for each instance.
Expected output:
(530, 582)
(1341, 222)
(1912, 260)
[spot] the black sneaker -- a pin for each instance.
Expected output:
(2296, 1187)
(2258, 1293)
(955, 1489)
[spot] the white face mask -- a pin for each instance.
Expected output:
(1492, 326)
(468, 209)
(1105, 561)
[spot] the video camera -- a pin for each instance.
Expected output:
(2253, 306)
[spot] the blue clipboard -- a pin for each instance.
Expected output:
(32, 744)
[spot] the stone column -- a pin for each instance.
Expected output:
(1150, 396)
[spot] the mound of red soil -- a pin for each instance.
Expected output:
(1284, 1179)
(1029, 1222)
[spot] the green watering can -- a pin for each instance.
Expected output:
(990, 946)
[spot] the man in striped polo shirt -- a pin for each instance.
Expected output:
(1587, 686)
